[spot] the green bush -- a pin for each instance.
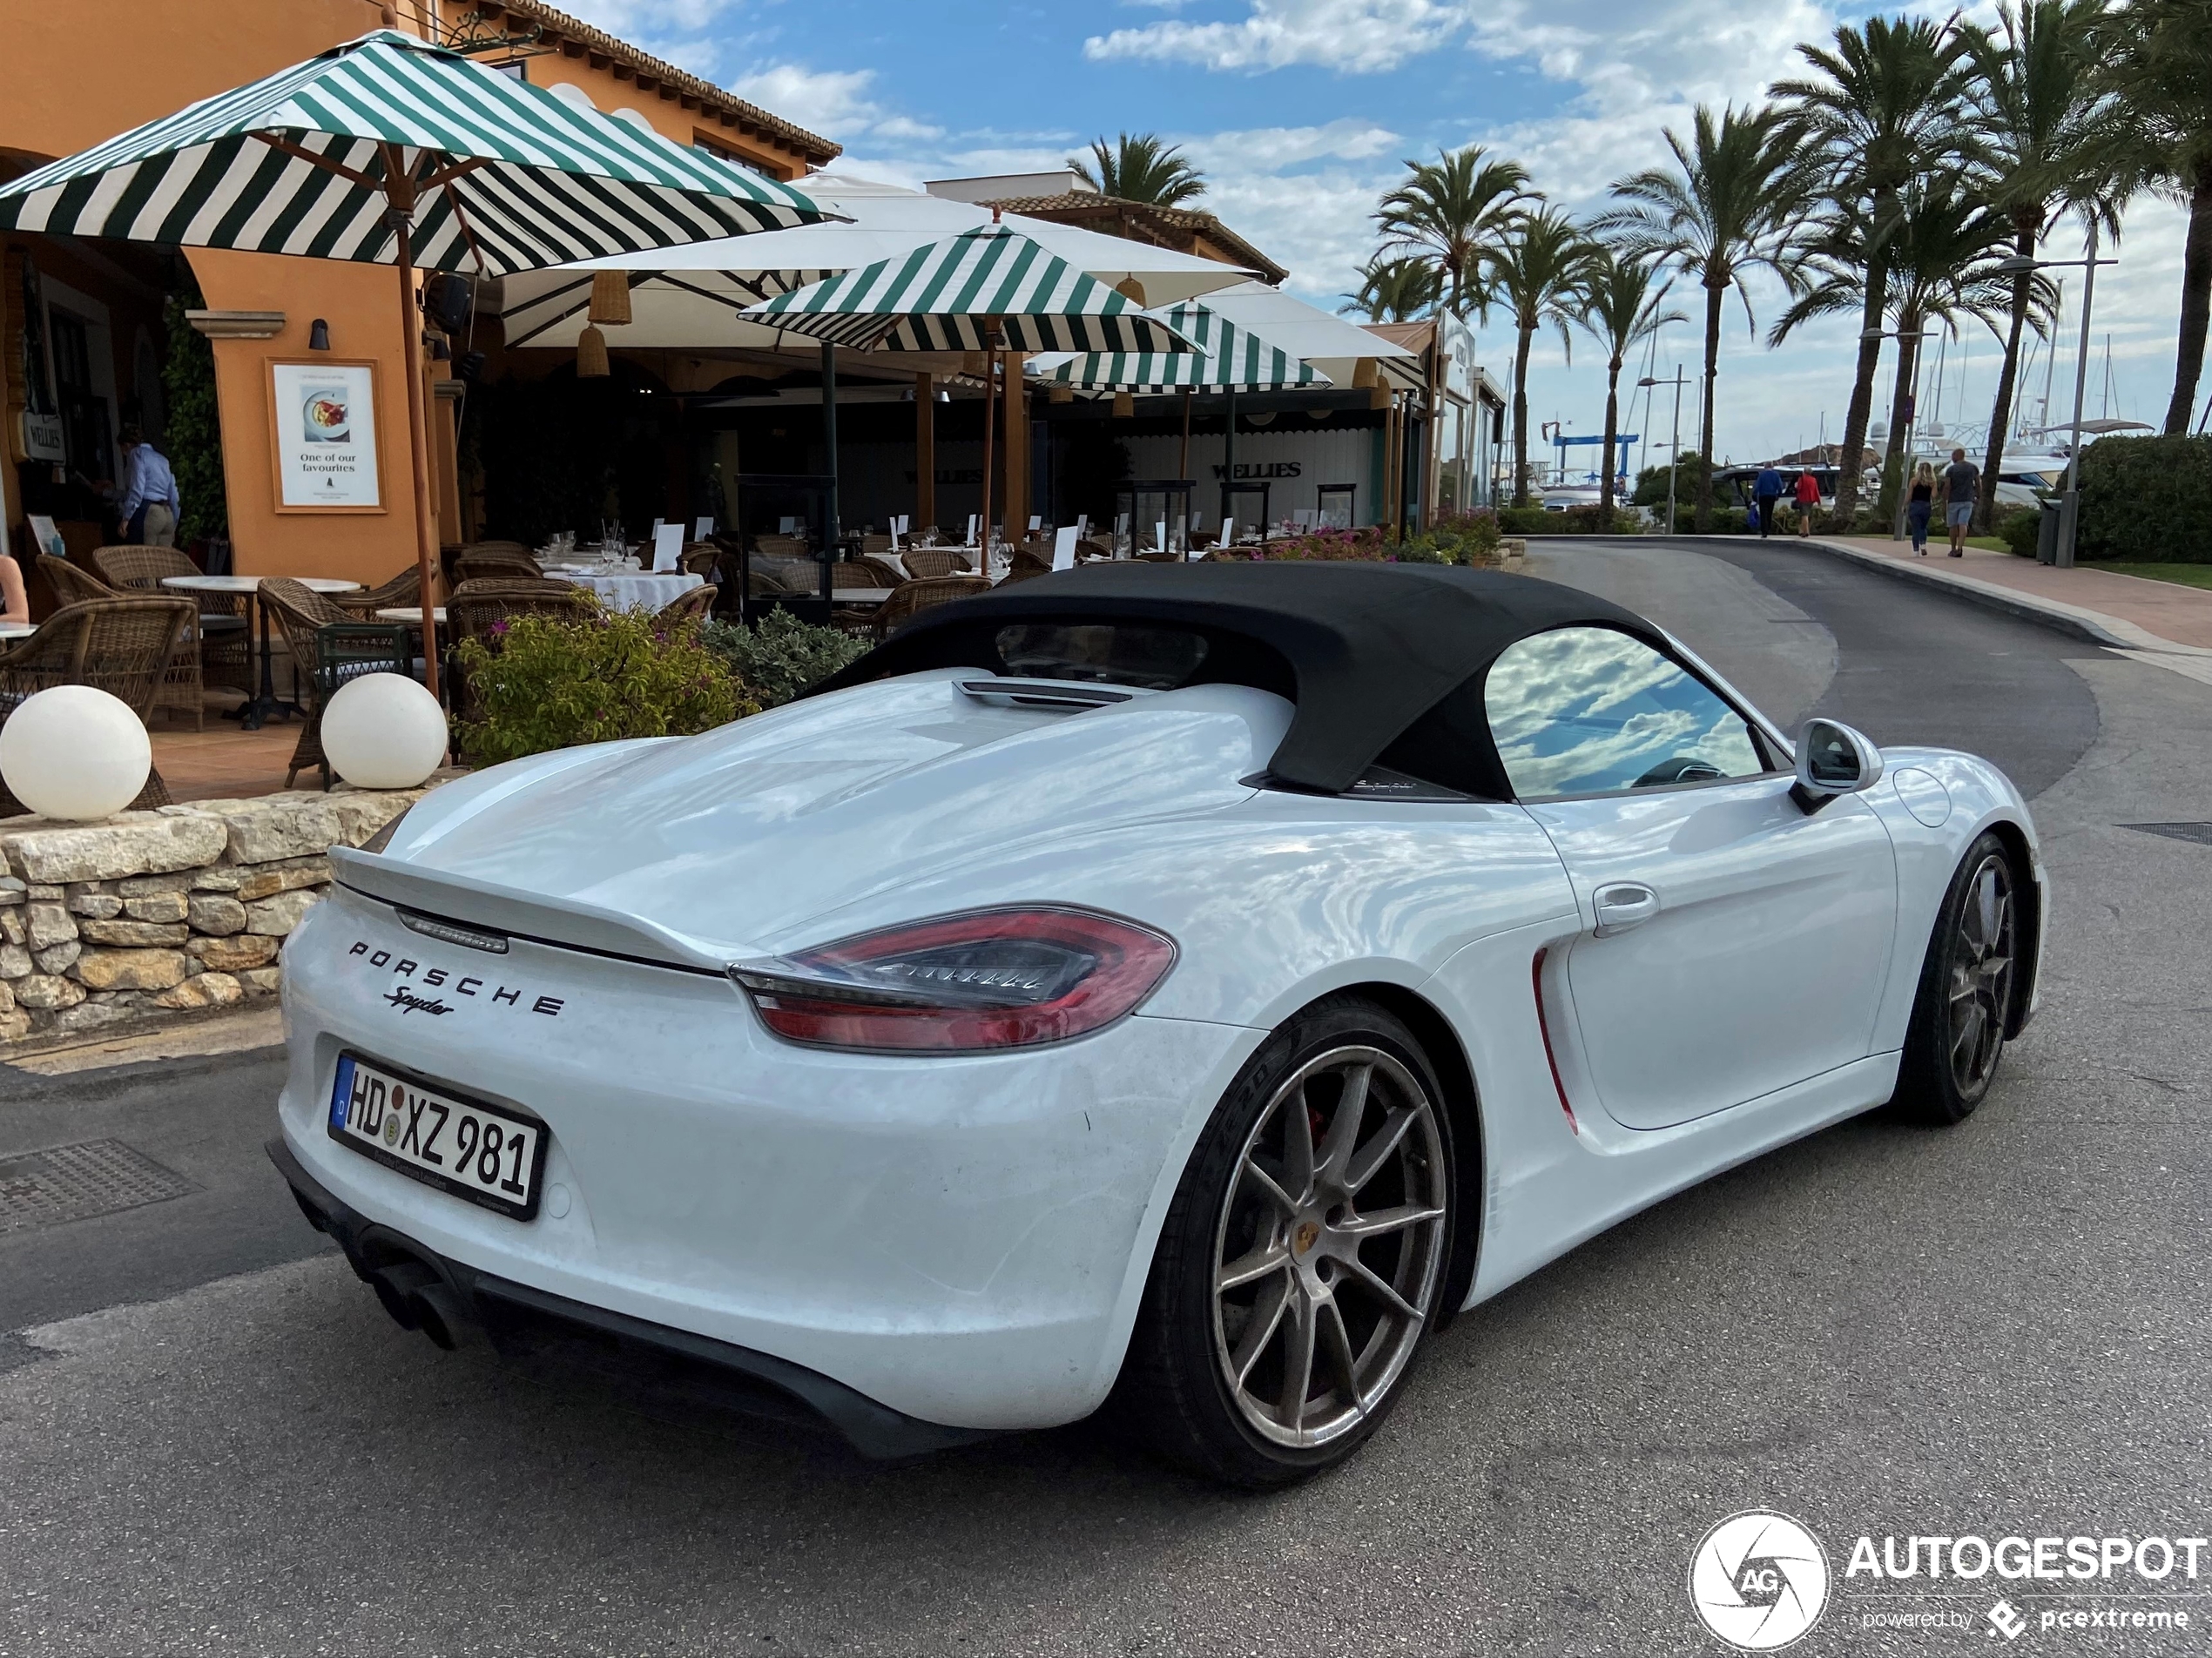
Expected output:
(779, 656)
(2019, 531)
(1575, 521)
(2146, 500)
(541, 683)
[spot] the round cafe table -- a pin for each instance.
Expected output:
(267, 702)
(17, 630)
(638, 590)
(412, 614)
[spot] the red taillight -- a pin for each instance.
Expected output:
(989, 979)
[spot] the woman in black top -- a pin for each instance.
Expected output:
(1919, 505)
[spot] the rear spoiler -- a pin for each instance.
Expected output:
(519, 914)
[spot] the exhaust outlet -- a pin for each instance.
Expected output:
(441, 1315)
(398, 1286)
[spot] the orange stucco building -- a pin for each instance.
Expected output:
(86, 71)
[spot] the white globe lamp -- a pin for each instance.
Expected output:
(383, 731)
(75, 753)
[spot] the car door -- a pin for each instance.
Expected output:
(1733, 944)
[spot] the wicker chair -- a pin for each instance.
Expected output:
(860, 572)
(783, 547)
(71, 585)
(886, 573)
(1023, 573)
(404, 588)
(1092, 547)
(329, 644)
(1026, 562)
(216, 649)
(927, 562)
(475, 608)
(874, 546)
(924, 594)
(492, 561)
(696, 605)
(120, 644)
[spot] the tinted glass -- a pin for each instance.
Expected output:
(1587, 710)
(1150, 657)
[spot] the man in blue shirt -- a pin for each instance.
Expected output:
(151, 505)
(1767, 488)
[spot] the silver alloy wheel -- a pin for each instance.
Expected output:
(1330, 1246)
(1981, 976)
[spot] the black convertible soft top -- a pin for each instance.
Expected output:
(1368, 647)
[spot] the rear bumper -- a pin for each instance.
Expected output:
(517, 1319)
(963, 1239)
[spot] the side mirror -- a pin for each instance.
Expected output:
(1833, 759)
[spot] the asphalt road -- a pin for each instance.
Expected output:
(211, 1440)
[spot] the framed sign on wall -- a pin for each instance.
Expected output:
(324, 415)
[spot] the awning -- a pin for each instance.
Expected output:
(1228, 358)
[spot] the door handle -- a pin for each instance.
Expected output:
(1622, 905)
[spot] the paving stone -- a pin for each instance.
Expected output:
(131, 969)
(263, 882)
(133, 935)
(235, 954)
(50, 924)
(207, 990)
(214, 914)
(277, 916)
(45, 992)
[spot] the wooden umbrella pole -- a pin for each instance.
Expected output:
(399, 189)
(990, 398)
(1183, 461)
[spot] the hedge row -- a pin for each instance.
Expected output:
(2147, 499)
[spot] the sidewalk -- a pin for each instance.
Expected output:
(2128, 613)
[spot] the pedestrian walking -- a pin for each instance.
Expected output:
(151, 505)
(1961, 482)
(1808, 493)
(1768, 489)
(1919, 506)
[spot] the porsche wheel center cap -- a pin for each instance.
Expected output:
(1303, 1239)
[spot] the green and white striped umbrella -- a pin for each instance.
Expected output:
(1228, 358)
(501, 176)
(949, 295)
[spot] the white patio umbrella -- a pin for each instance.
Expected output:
(687, 299)
(333, 158)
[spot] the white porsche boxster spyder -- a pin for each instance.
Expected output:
(1180, 985)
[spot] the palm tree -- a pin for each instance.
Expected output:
(1724, 210)
(1450, 211)
(1395, 290)
(1944, 254)
(1138, 167)
(2041, 118)
(2158, 62)
(1886, 106)
(1620, 310)
(1537, 274)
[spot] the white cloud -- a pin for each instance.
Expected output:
(1356, 36)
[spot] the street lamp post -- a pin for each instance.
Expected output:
(1674, 448)
(2069, 497)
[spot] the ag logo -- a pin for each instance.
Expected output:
(1759, 1581)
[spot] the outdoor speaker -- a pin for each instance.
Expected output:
(447, 298)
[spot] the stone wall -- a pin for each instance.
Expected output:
(155, 912)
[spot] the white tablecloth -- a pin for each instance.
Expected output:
(640, 592)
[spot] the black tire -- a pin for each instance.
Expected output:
(1370, 1221)
(1957, 1035)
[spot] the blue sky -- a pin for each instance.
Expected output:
(1301, 112)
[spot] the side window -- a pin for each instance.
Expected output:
(1587, 710)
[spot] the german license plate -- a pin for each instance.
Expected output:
(488, 1156)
